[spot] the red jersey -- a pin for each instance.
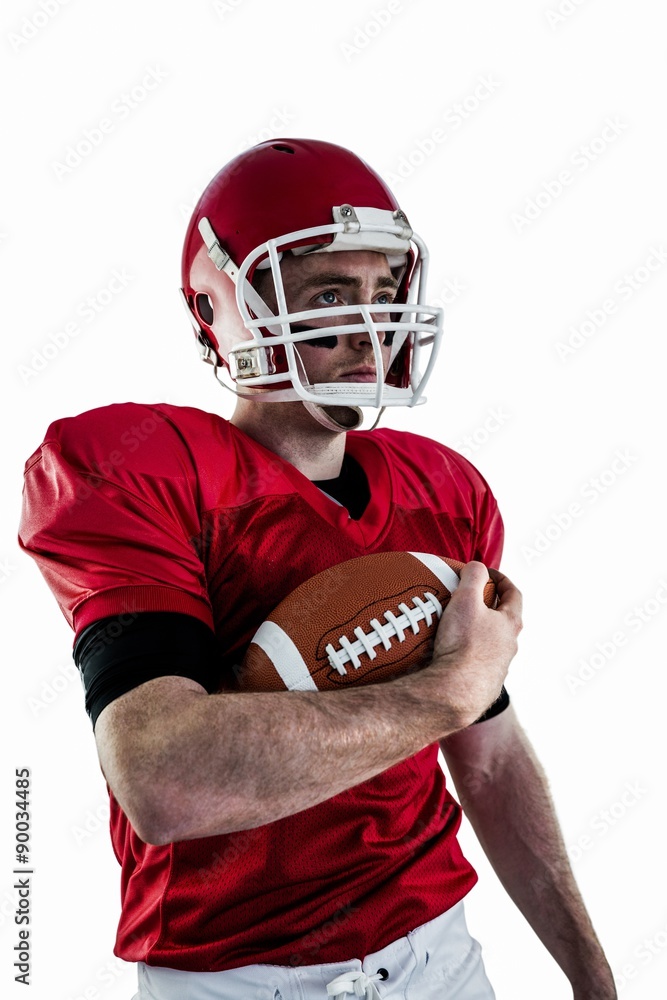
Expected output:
(133, 508)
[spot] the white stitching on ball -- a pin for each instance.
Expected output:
(379, 634)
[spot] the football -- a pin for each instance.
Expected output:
(363, 621)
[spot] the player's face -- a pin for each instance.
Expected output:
(336, 279)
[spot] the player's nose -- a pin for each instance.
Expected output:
(364, 340)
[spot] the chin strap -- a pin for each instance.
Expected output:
(377, 419)
(324, 417)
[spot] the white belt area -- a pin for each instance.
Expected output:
(425, 959)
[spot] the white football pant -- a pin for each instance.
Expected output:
(437, 961)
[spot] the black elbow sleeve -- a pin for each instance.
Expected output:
(114, 655)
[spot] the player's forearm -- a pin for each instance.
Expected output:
(509, 806)
(213, 764)
(184, 764)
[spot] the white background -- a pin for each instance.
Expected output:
(542, 428)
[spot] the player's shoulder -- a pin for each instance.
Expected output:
(430, 456)
(154, 435)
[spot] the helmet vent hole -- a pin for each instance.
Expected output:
(283, 149)
(204, 308)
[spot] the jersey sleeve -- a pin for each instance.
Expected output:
(489, 538)
(489, 529)
(110, 515)
(481, 508)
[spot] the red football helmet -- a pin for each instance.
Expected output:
(303, 196)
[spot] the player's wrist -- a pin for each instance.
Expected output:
(440, 707)
(464, 684)
(592, 978)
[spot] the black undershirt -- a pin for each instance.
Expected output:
(350, 488)
(116, 655)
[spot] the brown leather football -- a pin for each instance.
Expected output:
(365, 620)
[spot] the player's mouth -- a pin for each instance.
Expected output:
(364, 374)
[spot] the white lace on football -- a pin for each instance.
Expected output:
(359, 984)
(379, 634)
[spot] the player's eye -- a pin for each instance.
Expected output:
(328, 298)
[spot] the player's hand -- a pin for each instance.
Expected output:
(474, 645)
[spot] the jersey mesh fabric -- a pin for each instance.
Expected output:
(132, 508)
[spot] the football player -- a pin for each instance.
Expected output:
(295, 844)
